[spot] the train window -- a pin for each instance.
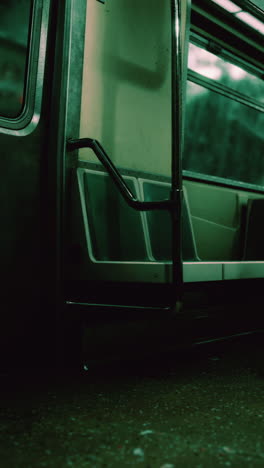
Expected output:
(226, 73)
(223, 137)
(14, 32)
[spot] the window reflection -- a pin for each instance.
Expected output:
(14, 26)
(223, 138)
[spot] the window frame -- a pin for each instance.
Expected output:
(29, 116)
(224, 90)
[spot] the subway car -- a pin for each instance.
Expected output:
(132, 176)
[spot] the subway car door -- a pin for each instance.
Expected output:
(25, 77)
(122, 193)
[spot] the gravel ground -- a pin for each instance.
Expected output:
(201, 408)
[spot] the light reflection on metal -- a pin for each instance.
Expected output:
(225, 338)
(176, 148)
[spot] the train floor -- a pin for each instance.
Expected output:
(198, 408)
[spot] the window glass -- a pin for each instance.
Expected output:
(211, 66)
(14, 32)
(223, 137)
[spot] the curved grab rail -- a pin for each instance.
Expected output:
(74, 144)
(173, 205)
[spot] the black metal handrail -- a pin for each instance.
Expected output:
(173, 205)
(74, 144)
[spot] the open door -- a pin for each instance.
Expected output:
(126, 210)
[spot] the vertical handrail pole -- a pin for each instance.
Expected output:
(176, 154)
